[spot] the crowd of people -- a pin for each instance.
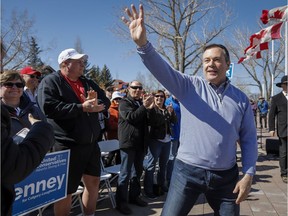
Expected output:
(66, 110)
(79, 114)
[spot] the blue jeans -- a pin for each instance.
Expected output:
(173, 153)
(188, 182)
(130, 172)
(156, 150)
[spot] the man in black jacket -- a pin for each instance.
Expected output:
(131, 134)
(18, 161)
(70, 103)
(279, 109)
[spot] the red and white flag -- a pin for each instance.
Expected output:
(249, 50)
(265, 35)
(278, 14)
(255, 55)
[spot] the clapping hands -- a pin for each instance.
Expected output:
(148, 101)
(91, 102)
(170, 109)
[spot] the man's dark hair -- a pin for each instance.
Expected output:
(227, 56)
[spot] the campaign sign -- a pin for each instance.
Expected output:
(229, 72)
(45, 185)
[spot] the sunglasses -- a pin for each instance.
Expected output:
(117, 99)
(136, 87)
(157, 96)
(10, 85)
(34, 76)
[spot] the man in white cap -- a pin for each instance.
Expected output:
(279, 109)
(70, 102)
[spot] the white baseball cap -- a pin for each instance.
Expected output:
(117, 94)
(70, 54)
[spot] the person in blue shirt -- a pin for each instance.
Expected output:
(175, 137)
(215, 117)
(263, 111)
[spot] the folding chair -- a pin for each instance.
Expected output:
(105, 178)
(107, 146)
(75, 197)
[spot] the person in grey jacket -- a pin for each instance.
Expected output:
(19, 160)
(215, 117)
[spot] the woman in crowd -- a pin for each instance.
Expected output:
(19, 160)
(18, 104)
(159, 119)
(112, 127)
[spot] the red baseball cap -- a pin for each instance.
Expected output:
(29, 71)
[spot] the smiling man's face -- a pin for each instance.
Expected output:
(215, 65)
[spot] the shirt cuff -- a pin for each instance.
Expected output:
(144, 48)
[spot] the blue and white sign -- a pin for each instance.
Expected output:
(47, 184)
(229, 72)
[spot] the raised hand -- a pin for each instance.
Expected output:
(136, 25)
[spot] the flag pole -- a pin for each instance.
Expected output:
(286, 46)
(273, 71)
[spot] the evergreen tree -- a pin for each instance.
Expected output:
(102, 77)
(106, 77)
(34, 60)
(94, 74)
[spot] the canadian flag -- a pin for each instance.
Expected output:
(249, 50)
(254, 55)
(265, 35)
(277, 14)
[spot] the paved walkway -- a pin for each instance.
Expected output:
(268, 196)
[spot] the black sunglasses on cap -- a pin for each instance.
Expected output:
(10, 85)
(136, 87)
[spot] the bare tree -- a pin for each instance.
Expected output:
(15, 35)
(262, 72)
(183, 27)
(149, 82)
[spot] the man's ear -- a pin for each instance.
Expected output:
(228, 65)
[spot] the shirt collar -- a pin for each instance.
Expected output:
(221, 87)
